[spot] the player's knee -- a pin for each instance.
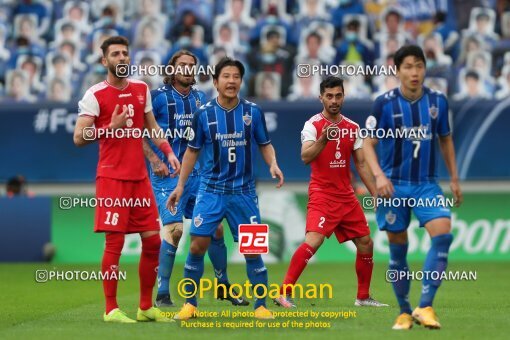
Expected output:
(219, 232)
(397, 238)
(314, 240)
(114, 243)
(176, 236)
(199, 245)
(364, 244)
(151, 243)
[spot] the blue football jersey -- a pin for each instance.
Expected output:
(229, 139)
(412, 159)
(174, 113)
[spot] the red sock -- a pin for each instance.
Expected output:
(297, 264)
(364, 266)
(111, 256)
(148, 269)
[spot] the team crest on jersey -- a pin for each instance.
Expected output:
(129, 122)
(338, 155)
(140, 98)
(433, 111)
(371, 122)
(198, 221)
(247, 119)
(198, 102)
(391, 217)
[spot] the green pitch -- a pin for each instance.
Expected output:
(60, 309)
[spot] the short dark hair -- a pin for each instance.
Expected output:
(224, 62)
(314, 35)
(472, 74)
(406, 51)
(331, 82)
(169, 79)
(116, 40)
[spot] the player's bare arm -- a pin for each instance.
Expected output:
(158, 167)
(364, 171)
(162, 143)
(311, 149)
(82, 123)
(269, 156)
(118, 121)
(188, 163)
(448, 151)
(383, 184)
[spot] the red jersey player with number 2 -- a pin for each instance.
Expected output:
(121, 103)
(328, 140)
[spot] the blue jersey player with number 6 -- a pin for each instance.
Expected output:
(408, 169)
(173, 106)
(229, 130)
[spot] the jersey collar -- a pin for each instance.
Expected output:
(341, 120)
(409, 100)
(228, 110)
(115, 87)
(181, 94)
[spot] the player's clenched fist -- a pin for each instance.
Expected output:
(174, 198)
(118, 119)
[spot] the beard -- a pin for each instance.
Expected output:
(185, 82)
(334, 111)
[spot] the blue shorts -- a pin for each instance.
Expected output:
(162, 191)
(211, 208)
(396, 218)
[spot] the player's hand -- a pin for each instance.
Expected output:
(174, 163)
(174, 198)
(119, 119)
(323, 138)
(457, 193)
(277, 173)
(384, 187)
(159, 168)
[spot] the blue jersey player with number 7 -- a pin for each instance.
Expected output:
(228, 129)
(408, 169)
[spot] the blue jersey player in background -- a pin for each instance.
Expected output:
(173, 107)
(229, 130)
(408, 169)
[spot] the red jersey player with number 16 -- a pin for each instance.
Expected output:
(122, 175)
(328, 140)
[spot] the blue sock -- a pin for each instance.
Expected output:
(218, 255)
(166, 264)
(257, 274)
(436, 261)
(193, 269)
(398, 262)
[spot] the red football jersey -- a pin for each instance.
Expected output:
(119, 158)
(331, 168)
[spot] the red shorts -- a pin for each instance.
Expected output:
(128, 206)
(344, 217)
